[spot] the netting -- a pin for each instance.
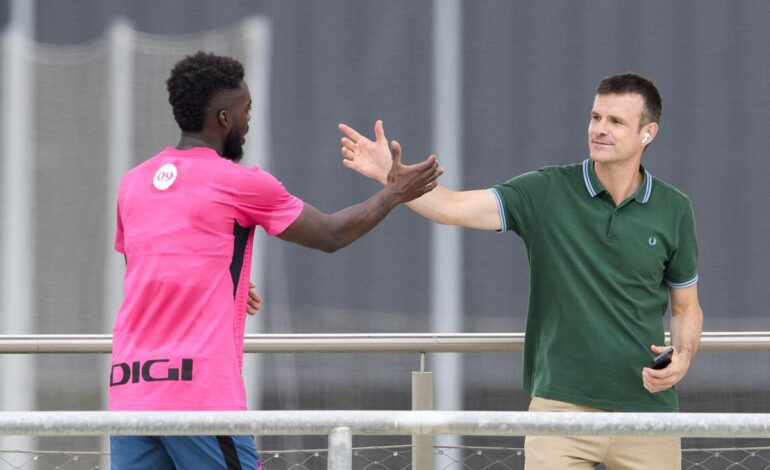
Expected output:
(391, 457)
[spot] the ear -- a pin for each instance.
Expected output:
(223, 118)
(649, 132)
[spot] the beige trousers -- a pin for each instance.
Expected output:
(586, 452)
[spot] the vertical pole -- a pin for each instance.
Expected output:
(340, 449)
(121, 150)
(255, 37)
(422, 399)
(17, 255)
(447, 255)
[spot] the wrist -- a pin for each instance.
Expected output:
(392, 197)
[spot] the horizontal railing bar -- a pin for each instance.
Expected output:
(355, 343)
(309, 422)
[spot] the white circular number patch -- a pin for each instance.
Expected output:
(164, 177)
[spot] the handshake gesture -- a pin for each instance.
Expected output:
(382, 162)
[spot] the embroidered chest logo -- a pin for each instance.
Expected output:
(164, 177)
(652, 241)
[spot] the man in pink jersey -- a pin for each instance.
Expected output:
(185, 223)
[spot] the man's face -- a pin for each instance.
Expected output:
(613, 133)
(240, 113)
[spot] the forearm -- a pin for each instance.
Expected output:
(436, 205)
(686, 329)
(349, 224)
(330, 232)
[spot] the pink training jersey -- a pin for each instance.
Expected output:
(186, 221)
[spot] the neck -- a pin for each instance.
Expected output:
(621, 179)
(190, 140)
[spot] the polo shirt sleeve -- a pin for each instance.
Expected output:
(682, 267)
(521, 201)
(262, 200)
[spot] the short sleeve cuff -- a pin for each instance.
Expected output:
(500, 210)
(680, 285)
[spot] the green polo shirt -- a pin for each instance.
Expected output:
(600, 276)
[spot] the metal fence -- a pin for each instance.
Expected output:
(340, 426)
(421, 425)
(356, 343)
(391, 457)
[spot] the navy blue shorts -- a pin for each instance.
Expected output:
(183, 453)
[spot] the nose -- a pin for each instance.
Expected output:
(598, 127)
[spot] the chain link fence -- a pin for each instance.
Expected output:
(391, 458)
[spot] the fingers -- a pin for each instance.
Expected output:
(348, 144)
(349, 132)
(348, 154)
(253, 301)
(662, 379)
(379, 132)
(431, 166)
(658, 380)
(395, 150)
(428, 163)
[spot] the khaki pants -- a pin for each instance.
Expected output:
(586, 452)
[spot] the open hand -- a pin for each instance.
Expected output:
(371, 159)
(409, 182)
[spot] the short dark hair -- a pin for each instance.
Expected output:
(194, 81)
(633, 83)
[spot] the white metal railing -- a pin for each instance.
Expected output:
(383, 423)
(340, 426)
(351, 343)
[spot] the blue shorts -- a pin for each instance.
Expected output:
(183, 453)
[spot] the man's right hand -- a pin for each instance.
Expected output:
(408, 182)
(370, 158)
(473, 209)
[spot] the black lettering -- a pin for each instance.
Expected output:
(187, 366)
(173, 374)
(135, 372)
(124, 378)
(142, 372)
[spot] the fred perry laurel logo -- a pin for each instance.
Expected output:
(164, 177)
(652, 241)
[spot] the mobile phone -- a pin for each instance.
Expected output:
(663, 359)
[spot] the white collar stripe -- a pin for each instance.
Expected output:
(587, 178)
(648, 190)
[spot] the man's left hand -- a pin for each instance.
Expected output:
(663, 379)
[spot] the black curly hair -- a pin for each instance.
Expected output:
(194, 81)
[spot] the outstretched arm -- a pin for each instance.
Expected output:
(330, 232)
(686, 328)
(472, 209)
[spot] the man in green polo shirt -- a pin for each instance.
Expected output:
(610, 247)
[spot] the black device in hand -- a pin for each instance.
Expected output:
(663, 359)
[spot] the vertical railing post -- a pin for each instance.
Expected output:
(422, 399)
(340, 449)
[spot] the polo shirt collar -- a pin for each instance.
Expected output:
(595, 187)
